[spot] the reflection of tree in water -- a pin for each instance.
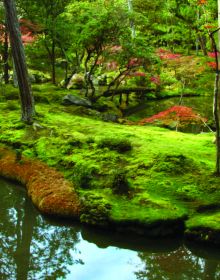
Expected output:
(177, 265)
(30, 248)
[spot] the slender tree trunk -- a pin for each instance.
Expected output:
(53, 59)
(130, 8)
(87, 73)
(15, 78)
(26, 97)
(202, 41)
(218, 23)
(5, 58)
(216, 104)
(216, 116)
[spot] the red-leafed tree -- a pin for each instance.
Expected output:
(28, 36)
(176, 115)
(26, 97)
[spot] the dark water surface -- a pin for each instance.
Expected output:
(33, 247)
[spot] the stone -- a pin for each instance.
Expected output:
(110, 117)
(76, 81)
(71, 99)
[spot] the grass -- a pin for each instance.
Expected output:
(169, 175)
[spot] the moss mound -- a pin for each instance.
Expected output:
(176, 164)
(120, 145)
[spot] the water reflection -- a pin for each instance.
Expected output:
(32, 247)
(180, 264)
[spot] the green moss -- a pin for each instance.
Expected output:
(120, 145)
(165, 175)
(83, 175)
(96, 210)
(176, 164)
(204, 228)
(207, 220)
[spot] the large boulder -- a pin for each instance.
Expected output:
(71, 99)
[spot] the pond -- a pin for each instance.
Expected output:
(200, 104)
(35, 247)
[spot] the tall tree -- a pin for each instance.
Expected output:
(216, 101)
(219, 22)
(26, 97)
(46, 14)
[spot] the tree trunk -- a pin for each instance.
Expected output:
(5, 58)
(202, 41)
(216, 116)
(216, 103)
(130, 8)
(218, 23)
(53, 58)
(26, 98)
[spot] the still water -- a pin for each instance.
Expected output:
(34, 247)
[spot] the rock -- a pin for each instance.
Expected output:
(76, 81)
(71, 99)
(32, 78)
(109, 117)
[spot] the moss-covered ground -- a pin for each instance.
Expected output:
(141, 178)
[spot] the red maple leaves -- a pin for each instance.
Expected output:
(202, 2)
(28, 31)
(181, 114)
(167, 55)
